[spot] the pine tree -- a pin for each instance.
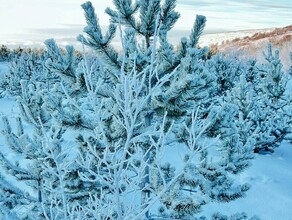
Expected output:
(227, 70)
(43, 163)
(275, 102)
(133, 101)
(264, 103)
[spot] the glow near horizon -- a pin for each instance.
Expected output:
(30, 22)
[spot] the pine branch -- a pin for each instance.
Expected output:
(168, 16)
(124, 14)
(15, 170)
(22, 196)
(197, 30)
(95, 39)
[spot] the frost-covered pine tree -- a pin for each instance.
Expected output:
(264, 105)
(133, 109)
(275, 103)
(227, 69)
(260, 93)
(41, 169)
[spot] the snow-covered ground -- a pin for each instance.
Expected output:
(208, 39)
(270, 196)
(270, 176)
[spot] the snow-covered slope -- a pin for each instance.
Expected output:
(252, 43)
(218, 38)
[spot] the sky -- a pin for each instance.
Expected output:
(31, 22)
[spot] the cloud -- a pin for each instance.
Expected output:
(238, 14)
(34, 37)
(231, 6)
(60, 31)
(222, 16)
(256, 4)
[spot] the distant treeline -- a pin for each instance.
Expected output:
(7, 54)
